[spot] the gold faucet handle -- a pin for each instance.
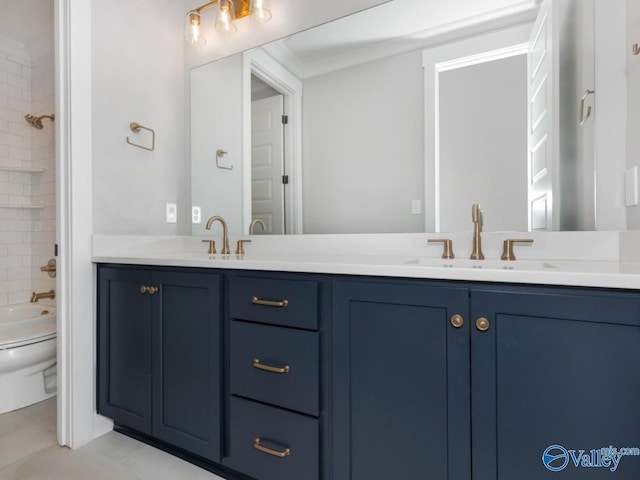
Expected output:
(240, 246)
(447, 251)
(507, 247)
(212, 246)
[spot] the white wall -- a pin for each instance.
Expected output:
(137, 77)
(216, 124)
(483, 145)
(633, 101)
(610, 113)
(363, 148)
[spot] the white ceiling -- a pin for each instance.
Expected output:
(408, 19)
(28, 22)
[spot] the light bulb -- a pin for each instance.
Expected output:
(260, 11)
(226, 17)
(194, 36)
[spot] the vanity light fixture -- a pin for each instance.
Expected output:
(228, 12)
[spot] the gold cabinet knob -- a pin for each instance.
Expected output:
(457, 320)
(143, 289)
(482, 324)
(152, 290)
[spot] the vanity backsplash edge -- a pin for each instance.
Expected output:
(611, 246)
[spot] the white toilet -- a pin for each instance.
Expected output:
(27, 355)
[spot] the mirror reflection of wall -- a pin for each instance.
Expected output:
(478, 104)
(363, 148)
(216, 124)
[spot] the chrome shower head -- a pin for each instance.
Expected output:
(36, 122)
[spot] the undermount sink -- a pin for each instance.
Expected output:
(482, 264)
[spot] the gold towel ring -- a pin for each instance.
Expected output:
(135, 128)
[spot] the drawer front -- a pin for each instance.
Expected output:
(254, 427)
(275, 365)
(292, 303)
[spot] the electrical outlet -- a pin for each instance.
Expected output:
(196, 214)
(416, 207)
(171, 213)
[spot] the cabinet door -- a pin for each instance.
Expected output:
(124, 347)
(187, 361)
(555, 385)
(400, 382)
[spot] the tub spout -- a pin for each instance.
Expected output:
(39, 296)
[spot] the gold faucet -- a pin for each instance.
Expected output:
(476, 216)
(253, 224)
(39, 296)
(225, 238)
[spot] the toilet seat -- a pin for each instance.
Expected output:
(25, 333)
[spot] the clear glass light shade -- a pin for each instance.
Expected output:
(194, 31)
(226, 17)
(260, 10)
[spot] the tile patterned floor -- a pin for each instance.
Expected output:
(28, 451)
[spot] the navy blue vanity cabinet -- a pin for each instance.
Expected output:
(160, 359)
(187, 361)
(555, 384)
(124, 347)
(275, 407)
(400, 379)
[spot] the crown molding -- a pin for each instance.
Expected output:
(521, 13)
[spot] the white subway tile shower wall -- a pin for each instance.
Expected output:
(27, 235)
(43, 189)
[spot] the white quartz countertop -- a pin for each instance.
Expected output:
(575, 272)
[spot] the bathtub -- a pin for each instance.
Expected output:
(27, 355)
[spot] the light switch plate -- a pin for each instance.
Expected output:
(171, 213)
(416, 207)
(631, 187)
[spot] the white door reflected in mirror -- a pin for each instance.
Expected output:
(267, 165)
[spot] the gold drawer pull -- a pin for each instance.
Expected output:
(268, 368)
(269, 303)
(275, 453)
